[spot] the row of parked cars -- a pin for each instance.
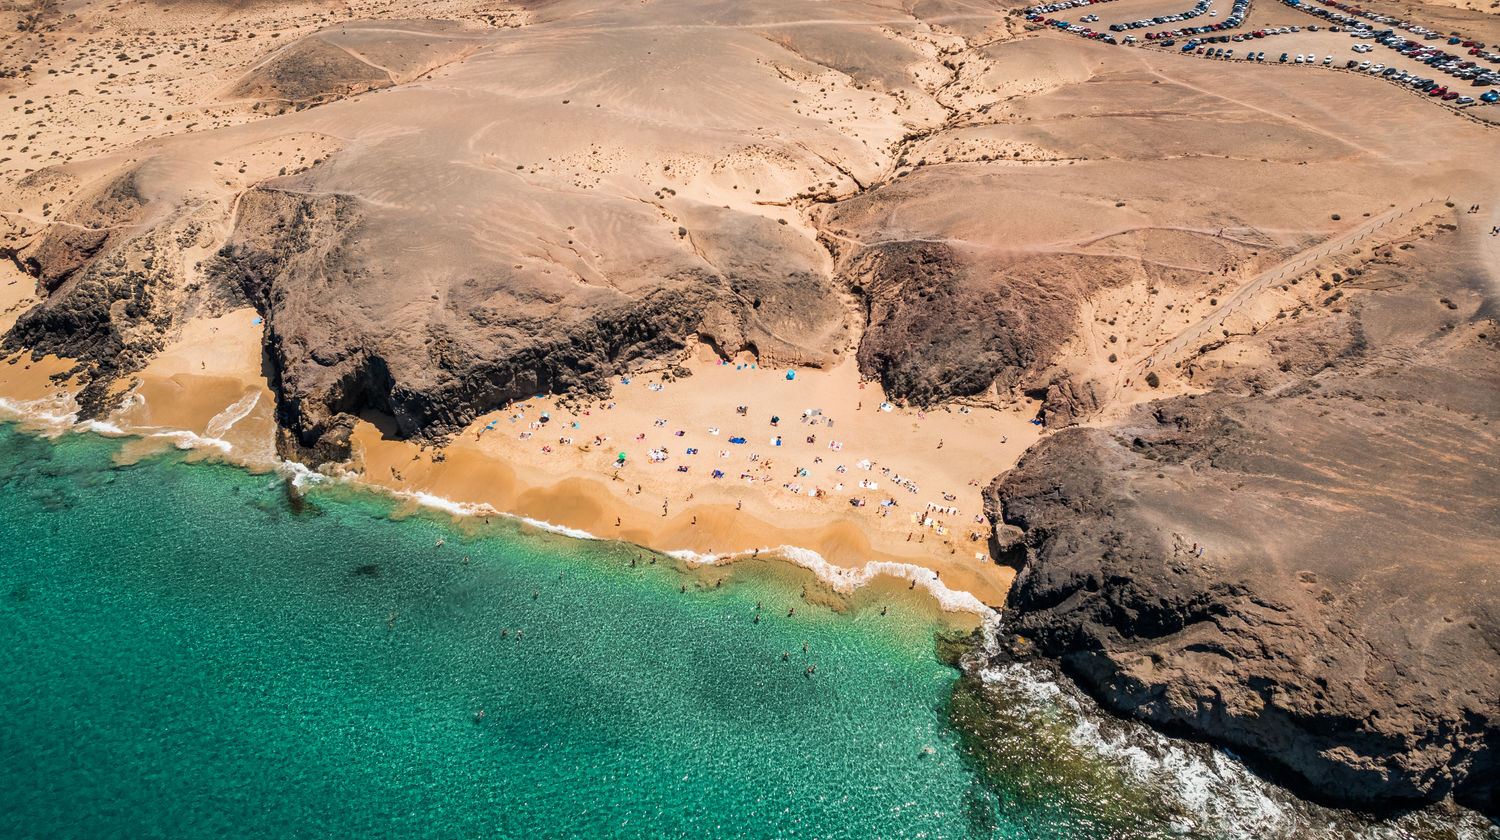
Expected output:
(1458, 66)
(1200, 9)
(1224, 39)
(1060, 6)
(1038, 14)
(1355, 18)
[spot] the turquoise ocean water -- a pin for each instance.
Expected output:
(186, 652)
(187, 656)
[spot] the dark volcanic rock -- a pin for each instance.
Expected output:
(940, 326)
(1343, 619)
(110, 298)
(1068, 401)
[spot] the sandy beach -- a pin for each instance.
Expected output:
(853, 478)
(844, 482)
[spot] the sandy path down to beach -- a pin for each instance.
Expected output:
(926, 467)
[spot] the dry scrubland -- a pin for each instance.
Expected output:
(1245, 302)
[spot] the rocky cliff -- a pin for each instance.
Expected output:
(1300, 562)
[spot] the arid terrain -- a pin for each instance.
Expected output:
(1189, 366)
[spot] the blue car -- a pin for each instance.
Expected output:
(1490, 97)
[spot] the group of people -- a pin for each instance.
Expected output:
(811, 417)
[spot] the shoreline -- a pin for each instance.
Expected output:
(205, 393)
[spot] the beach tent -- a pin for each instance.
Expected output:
(791, 374)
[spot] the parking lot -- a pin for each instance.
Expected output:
(1314, 40)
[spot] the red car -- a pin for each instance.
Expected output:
(1450, 95)
(1437, 91)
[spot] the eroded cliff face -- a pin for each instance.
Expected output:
(1300, 562)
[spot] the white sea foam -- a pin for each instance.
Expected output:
(1219, 795)
(445, 504)
(575, 533)
(300, 475)
(50, 415)
(104, 427)
(844, 579)
(180, 438)
(225, 420)
(60, 413)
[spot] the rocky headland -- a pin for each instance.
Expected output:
(1297, 559)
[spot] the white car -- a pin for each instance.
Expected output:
(1299, 58)
(1364, 65)
(1327, 60)
(1377, 68)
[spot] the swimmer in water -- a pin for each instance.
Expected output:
(504, 633)
(684, 588)
(757, 618)
(790, 611)
(883, 609)
(534, 593)
(785, 656)
(439, 542)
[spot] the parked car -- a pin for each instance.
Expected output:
(1327, 60)
(1464, 100)
(1283, 58)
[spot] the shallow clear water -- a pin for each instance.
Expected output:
(185, 652)
(188, 657)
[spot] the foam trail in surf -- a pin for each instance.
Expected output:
(239, 410)
(845, 579)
